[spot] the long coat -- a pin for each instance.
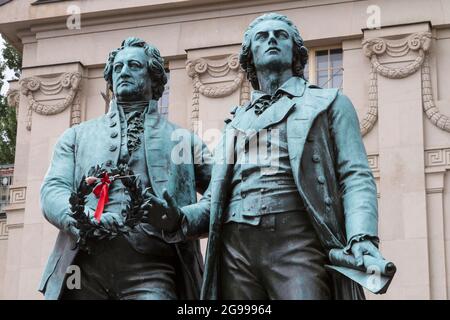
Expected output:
(98, 142)
(330, 169)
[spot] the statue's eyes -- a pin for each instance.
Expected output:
(261, 36)
(283, 35)
(117, 67)
(134, 65)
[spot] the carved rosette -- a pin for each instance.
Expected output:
(420, 44)
(69, 81)
(215, 69)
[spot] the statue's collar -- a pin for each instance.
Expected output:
(151, 108)
(294, 86)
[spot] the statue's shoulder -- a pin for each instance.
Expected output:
(236, 111)
(81, 131)
(319, 92)
(313, 86)
(90, 123)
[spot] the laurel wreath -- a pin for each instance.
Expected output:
(89, 230)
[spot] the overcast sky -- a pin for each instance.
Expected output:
(9, 73)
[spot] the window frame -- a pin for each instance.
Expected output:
(312, 63)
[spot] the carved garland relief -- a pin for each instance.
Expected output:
(13, 98)
(216, 69)
(418, 42)
(69, 81)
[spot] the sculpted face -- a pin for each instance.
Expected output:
(272, 45)
(130, 77)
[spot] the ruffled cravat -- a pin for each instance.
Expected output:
(266, 101)
(134, 113)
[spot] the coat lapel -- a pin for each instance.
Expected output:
(275, 113)
(154, 143)
(299, 122)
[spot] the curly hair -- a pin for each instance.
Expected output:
(155, 65)
(300, 54)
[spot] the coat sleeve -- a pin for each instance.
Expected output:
(196, 216)
(355, 178)
(202, 164)
(58, 183)
(195, 223)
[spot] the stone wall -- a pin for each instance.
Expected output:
(396, 76)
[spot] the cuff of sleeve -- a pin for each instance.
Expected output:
(360, 237)
(179, 235)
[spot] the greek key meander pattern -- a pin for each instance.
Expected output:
(17, 194)
(3, 230)
(373, 162)
(433, 158)
(437, 158)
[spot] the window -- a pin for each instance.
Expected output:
(5, 182)
(325, 68)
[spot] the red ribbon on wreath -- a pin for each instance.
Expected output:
(101, 191)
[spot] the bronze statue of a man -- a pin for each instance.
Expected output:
(270, 231)
(139, 264)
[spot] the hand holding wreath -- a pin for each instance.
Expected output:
(104, 225)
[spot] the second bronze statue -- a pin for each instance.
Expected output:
(273, 216)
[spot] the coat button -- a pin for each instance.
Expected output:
(264, 207)
(113, 124)
(113, 148)
(328, 201)
(233, 214)
(108, 163)
(316, 158)
(321, 179)
(114, 134)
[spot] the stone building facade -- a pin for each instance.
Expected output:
(390, 57)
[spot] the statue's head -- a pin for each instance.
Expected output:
(135, 71)
(272, 41)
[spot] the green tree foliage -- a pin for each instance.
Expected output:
(8, 125)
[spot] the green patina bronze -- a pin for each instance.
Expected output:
(270, 234)
(301, 226)
(132, 133)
